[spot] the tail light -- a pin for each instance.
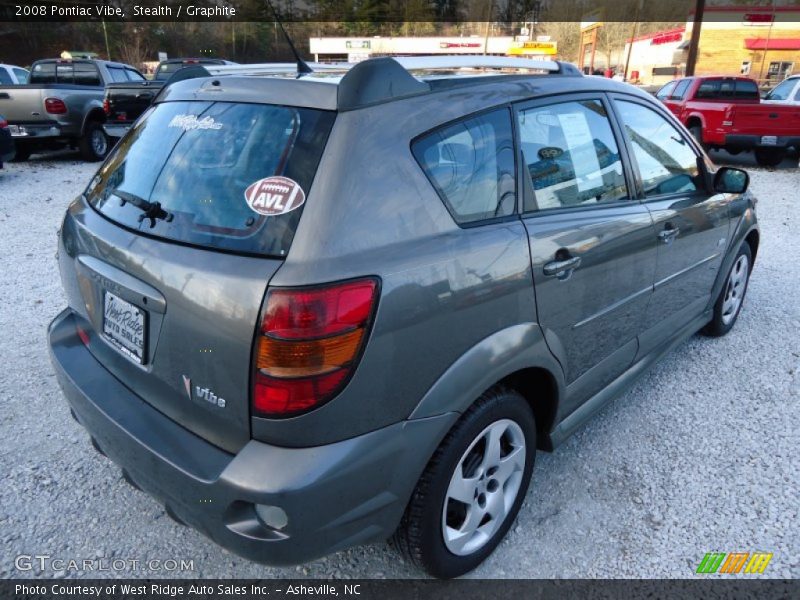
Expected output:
(106, 106)
(55, 106)
(308, 345)
(3, 123)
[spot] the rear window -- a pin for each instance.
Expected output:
(200, 160)
(723, 89)
(65, 72)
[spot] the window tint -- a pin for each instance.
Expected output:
(5, 78)
(665, 91)
(667, 163)
(22, 75)
(44, 73)
(86, 74)
(747, 89)
(471, 165)
(571, 155)
(680, 90)
(117, 74)
(197, 159)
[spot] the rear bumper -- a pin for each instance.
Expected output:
(756, 141)
(116, 131)
(26, 131)
(335, 496)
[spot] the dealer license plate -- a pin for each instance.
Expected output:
(124, 326)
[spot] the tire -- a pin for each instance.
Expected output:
(697, 134)
(433, 515)
(94, 145)
(731, 297)
(770, 157)
(22, 153)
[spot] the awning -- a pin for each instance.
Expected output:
(772, 44)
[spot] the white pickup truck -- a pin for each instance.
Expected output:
(62, 105)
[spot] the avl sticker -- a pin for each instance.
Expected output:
(275, 195)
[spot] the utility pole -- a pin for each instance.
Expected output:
(691, 60)
(634, 29)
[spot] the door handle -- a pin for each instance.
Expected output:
(562, 268)
(668, 234)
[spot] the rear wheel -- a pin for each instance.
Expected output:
(729, 303)
(697, 133)
(94, 144)
(472, 489)
(770, 157)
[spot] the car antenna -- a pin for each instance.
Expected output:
(302, 66)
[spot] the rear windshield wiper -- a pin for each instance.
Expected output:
(150, 210)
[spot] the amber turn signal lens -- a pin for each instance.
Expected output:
(285, 358)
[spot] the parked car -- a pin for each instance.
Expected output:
(316, 311)
(61, 106)
(786, 92)
(6, 143)
(13, 75)
(125, 101)
(727, 113)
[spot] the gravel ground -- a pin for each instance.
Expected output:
(701, 455)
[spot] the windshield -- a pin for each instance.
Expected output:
(204, 163)
(782, 90)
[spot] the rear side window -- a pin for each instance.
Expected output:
(471, 165)
(22, 75)
(202, 162)
(5, 78)
(117, 74)
(133, 75)
(570, 155)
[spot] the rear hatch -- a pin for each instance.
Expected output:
(168, 255)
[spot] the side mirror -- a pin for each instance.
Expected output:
(728, 180)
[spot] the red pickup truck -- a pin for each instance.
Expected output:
(726, 112)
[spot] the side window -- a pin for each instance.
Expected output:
(570, 155)
(133, 75)
(667, 163)
(665, 91)
(680, 90)
(5, 78)
(22, 76)
(117, 75)
(471, 165)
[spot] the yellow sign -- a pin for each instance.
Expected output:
(530, 48)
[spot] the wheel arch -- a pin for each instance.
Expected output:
(515, 357)
(95, 114)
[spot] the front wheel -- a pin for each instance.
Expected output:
(94, 144)
(730, 300)
(770, 157)
(473, 487)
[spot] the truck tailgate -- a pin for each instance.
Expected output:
(127, 101)
(22, 103)
(764, 120)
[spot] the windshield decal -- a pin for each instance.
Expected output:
(191, 122)
(275, 195)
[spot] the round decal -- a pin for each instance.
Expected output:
(274, 195)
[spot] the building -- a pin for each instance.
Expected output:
(354, 49)
(760, 42)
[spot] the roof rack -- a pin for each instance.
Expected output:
(415, 63)
(383, 79)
